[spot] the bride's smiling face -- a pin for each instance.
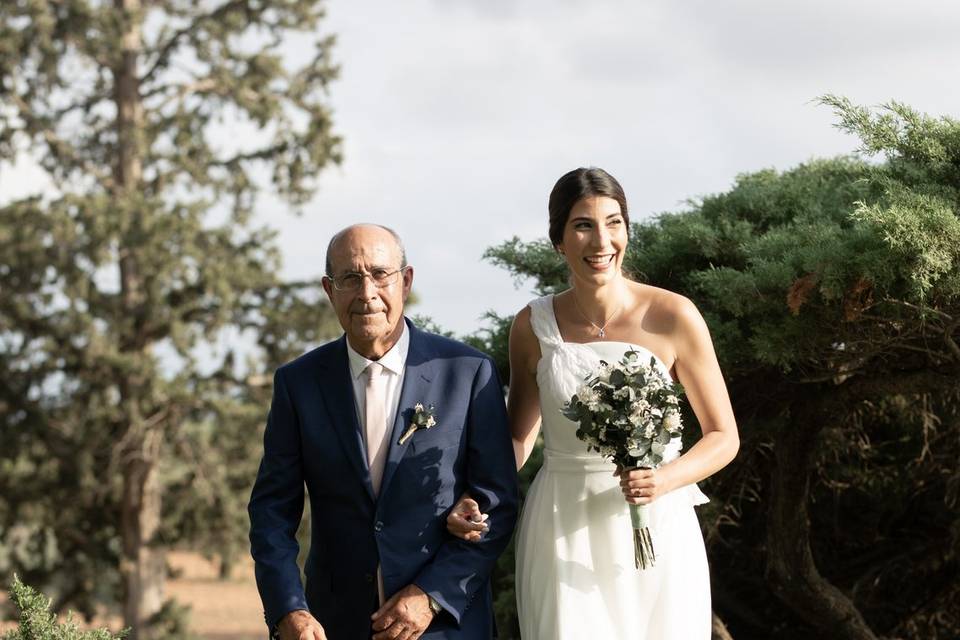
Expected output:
(594, 240)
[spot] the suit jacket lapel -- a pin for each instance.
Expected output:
(337, 392)
(418, 374)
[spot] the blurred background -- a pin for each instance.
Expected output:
(171, 172)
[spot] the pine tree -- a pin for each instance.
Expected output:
(130, 288)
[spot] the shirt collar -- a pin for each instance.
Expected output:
(393, 360)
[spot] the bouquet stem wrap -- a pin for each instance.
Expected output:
(643, 553)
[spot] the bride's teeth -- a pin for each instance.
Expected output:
(598, 260)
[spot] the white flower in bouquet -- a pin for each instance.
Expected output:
(603, 373)
(589, 397)
(639, 408)
(671, 422)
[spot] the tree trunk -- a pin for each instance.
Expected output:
(792, 573)
(143, 565)
(226, 565)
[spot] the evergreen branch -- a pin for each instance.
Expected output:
(946, 331)
(933, 354)
(198, 87)
(920, 309)
(213, 17)
(60, 149)
(948, 338)
(918, 381)
(263, 153)
(81, 105)
(199, 472)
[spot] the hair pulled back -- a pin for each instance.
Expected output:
(575, 185)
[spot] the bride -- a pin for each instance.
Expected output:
(575, 574)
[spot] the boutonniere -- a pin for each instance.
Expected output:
(423, 418)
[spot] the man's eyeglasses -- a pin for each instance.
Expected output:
(352, 281)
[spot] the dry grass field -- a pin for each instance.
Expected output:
(220, 610)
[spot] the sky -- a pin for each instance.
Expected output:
(458, 117)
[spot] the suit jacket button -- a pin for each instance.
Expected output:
(377, 526)
(368, 577)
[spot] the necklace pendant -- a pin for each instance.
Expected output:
(602, 333)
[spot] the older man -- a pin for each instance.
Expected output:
(386, 427)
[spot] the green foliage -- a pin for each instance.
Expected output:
(503, 582)
(522, 259)
(426, 323)
(198, 64)
(492, 340)
(172, 622)
(830, 289)
(923, 232)
(38, 623)
(142, 309)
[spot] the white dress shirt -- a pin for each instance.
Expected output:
(394, 363)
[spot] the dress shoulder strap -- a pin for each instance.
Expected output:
(544, 321)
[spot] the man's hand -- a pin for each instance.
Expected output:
(465, 520)
(405, 616)
(300, 625)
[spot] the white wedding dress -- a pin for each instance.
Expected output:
(575, 575)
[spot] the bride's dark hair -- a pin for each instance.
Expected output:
(576, 185)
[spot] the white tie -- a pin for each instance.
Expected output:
(375, 423)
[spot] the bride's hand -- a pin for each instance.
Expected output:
(465, 520)
(640, 486)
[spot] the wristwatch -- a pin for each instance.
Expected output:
(435, 607)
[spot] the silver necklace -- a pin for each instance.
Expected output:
(601, 329)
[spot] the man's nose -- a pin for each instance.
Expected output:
(368, 290)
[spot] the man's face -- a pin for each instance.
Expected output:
(370, 315)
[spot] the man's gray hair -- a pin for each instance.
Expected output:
(339, 234)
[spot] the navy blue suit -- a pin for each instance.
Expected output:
(314, 439)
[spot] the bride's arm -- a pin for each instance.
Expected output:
(523, 399)
(696, 368)
(523, 407)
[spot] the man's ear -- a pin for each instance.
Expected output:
(407, 281)
(327, 284)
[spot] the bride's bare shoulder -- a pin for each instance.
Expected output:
(666, 311)
(522, 321)
(524, 346)
(521, 331)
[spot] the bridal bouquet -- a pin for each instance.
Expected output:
(629, 413)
